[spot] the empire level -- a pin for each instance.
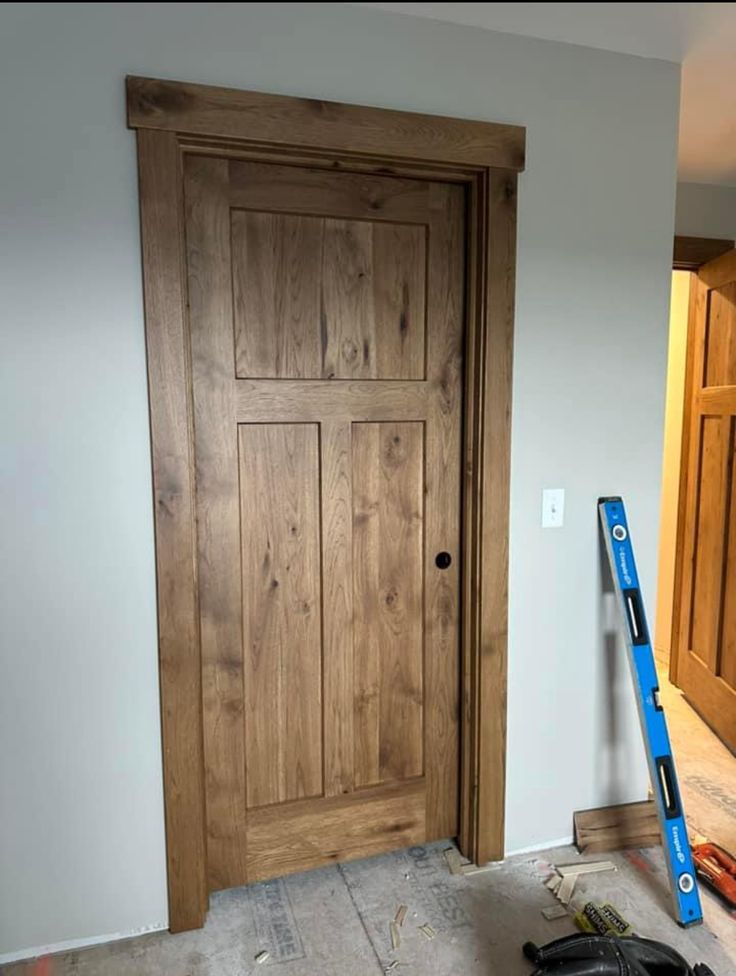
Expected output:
(675, 842)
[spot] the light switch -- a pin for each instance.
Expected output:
(553, 508)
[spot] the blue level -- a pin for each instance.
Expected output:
(675, 841)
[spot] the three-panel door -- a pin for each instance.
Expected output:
(326, 313)
(706, 630)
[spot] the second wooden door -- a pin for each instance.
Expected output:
(705, 644)
(326, 313)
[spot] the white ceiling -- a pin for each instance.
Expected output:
(702, 36)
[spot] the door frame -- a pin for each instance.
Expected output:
(689, 254)
(172, 118)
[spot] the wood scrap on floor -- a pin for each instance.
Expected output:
(395, 937)
(427, 931)
(555, 911)
(460, 865)
(564, 876)
(617, 827)
(564, 892)
(454, 859)
(400, 915)
(584, 867)
(263, 956)
(553, 883)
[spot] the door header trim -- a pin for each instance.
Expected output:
(691, 252)
(312, 124)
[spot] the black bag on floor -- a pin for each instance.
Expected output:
(608, 955)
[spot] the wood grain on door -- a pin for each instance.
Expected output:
(326, 316)
(705, 645)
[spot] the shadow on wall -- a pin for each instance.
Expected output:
(620, 772)
(611, 770)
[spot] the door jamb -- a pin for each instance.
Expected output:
(173, 118)
(689, 254)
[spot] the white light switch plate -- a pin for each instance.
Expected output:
(553, 508)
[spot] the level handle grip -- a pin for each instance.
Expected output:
(635, 616)
(667, 787)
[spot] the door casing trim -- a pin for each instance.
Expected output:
(173, 118)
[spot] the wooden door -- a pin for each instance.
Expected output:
(326, 313)
(705, 662)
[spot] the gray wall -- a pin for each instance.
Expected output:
(82, 845)
(705, 210)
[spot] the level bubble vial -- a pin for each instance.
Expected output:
(686, 883)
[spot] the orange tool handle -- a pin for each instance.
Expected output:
(718, 867)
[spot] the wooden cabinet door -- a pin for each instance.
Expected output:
(705, 665)
(326, 313)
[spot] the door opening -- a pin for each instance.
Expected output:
(698, 531)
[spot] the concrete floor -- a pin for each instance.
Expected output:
(335, 921)
(707, 771)
(707, 774)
